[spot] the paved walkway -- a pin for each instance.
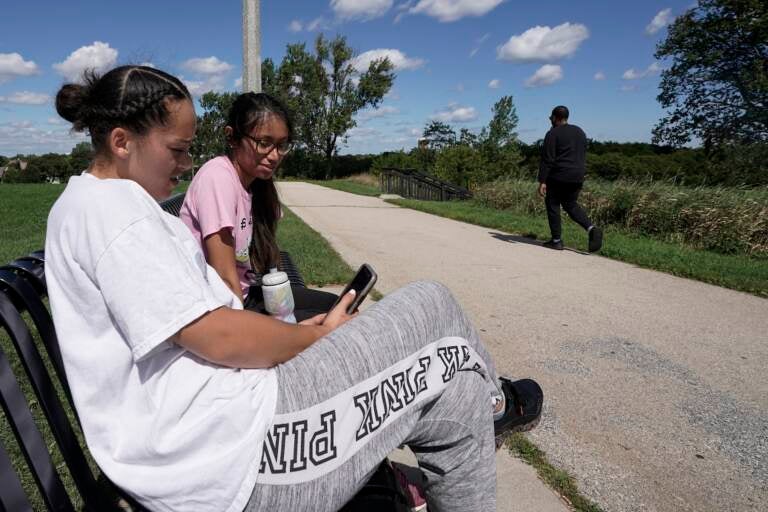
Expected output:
(656, 387)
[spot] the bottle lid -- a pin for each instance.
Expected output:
(274, 278)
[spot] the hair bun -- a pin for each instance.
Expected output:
(70, 102)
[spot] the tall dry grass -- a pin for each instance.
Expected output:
(725, 220)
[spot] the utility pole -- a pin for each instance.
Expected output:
(251, 46)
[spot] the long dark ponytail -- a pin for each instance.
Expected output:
(247, 111)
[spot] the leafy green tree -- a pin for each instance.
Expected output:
(31, 173)
(324, 91)
(269, 77)
(209, 139)
(461, 165)
(501, 130)
(468, 138)
(79, 158)
(439, 135)
(717, 86)
(395, 159)
(52, 166)
(498, 143)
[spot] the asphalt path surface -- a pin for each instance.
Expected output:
(656, 386)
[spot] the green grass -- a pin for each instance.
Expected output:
(731, 271)
(353, 187)
(559, 480)
(23, 215)
(319, 263)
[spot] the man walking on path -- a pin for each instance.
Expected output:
(561, 176)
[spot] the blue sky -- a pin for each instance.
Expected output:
(454, 58)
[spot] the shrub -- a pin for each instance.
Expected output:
(725, 220)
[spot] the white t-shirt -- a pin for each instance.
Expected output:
(175, 431)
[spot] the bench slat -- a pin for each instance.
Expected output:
(27, 434)
(47, 397)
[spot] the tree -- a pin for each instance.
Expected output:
(717, 87)
(439, 135)
(52, 166)
(501, 130)
(209, 140)
(324, 91)
(80, 157)
(460, 164)
(498, 142)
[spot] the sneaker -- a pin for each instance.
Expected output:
(524, 399)
(595, 239)
(551, 244)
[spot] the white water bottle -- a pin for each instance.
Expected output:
(278, 298)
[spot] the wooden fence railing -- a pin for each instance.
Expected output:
(413, 184)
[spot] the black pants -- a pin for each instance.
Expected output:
(308, 302)
(566, 194)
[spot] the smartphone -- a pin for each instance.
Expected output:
(362, 283)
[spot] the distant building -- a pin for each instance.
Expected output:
(423, 143)
(18, 163)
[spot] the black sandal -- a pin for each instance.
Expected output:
(524, 399)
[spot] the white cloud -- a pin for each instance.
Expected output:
(456, 114)
(26, 137)
(147, 64)
(398, 59)
(13, 65)
(452, 10)
(494, 84)
(207, 66)
(628, 88)
(98, 56)
(382, 111)
(360, 132)
(545, 75)
(200, 87)
(238, 83)
(542, 44)
(55, 120)
(26, 98)
(599, 75)
(633, 74)
(360, 9)
(296, 26)
(662, 19)
(316, 24)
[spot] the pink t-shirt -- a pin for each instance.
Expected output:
(216, 200)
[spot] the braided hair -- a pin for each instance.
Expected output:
(131, 97)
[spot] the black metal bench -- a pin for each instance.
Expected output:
(22, 290)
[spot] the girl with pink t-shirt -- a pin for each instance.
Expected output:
(232, 206)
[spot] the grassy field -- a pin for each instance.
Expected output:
(23, 214)
(354, 187)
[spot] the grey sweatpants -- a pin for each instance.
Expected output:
(410, 370)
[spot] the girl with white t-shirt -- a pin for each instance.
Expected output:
(188, 402)
(232, 206)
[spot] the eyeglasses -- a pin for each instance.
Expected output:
(265, 147)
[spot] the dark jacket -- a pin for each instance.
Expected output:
(563, 155)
